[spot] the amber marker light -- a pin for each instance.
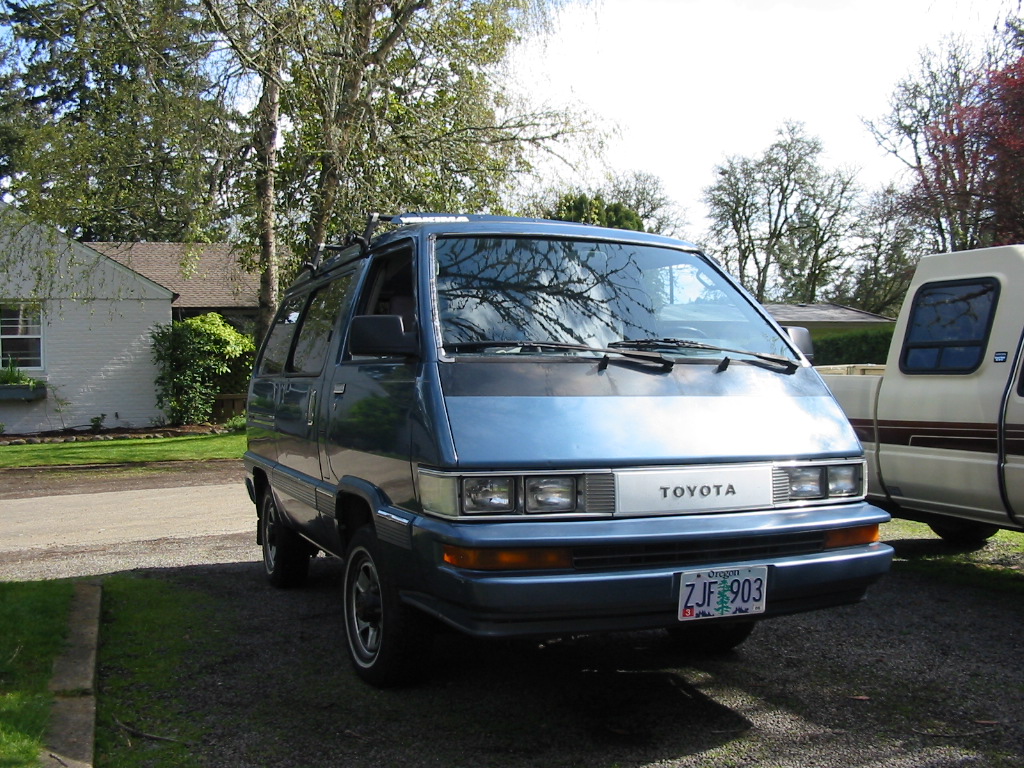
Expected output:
(507, 559)
(852, 537)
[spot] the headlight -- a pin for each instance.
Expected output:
(845, 480)
(806, 482)
(488, 494)
(821, 482)
(550, 494)
(454, 495)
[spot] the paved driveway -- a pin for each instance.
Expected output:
(46, 537)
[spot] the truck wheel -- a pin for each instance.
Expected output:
(710, 637)
(285, 554)
(964, 533)
(388, 643)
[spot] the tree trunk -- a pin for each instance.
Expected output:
(266, 171)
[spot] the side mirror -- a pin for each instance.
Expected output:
(381, 335)
(801, 337)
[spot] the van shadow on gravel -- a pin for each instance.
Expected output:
(282, 693)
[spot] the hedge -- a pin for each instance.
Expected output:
(870, 346)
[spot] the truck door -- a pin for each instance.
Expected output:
(940, 404)
(1011, 440)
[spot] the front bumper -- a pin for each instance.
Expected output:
(625, 591)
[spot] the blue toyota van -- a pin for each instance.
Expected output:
(520, 427)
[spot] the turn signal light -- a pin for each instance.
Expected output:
(507, 559)
(852, 537)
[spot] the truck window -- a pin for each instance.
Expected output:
(949, 327)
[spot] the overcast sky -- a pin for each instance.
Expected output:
(691, 82)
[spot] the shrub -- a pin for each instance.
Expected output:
(195, 357)
(235, 423)
(870, 346)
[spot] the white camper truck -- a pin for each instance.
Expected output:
(942, 423)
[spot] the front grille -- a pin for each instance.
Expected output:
(687, 553)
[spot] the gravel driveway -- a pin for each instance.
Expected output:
(924, 673)
(921, 674)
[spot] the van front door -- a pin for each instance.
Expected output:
(369, 399)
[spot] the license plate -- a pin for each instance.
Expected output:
(718, 592)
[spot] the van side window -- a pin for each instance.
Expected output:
(390, 287)
(279, 340)
(949, 326)
(318, 324)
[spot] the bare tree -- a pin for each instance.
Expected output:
(778, 220)
(888, 240)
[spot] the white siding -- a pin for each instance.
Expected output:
(97, 361)
(97, 318)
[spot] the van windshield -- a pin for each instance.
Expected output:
(593, 294)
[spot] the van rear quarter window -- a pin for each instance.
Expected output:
(275, 352)
(318, 325)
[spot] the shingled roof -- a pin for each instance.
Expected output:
(205, 276)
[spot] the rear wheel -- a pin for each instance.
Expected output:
(964, 533)
(388, 642)
(710, 637)
(285, 554)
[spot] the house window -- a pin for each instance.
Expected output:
(949, 326)
(21, 335)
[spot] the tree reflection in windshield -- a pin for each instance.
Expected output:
(577, 292)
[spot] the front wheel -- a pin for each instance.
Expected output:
(710, 637)
(388, 643)
(285, 554)
(964, 533)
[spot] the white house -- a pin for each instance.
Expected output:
(81, 322)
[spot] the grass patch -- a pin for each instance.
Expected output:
(150, 631)
(997, 566)
(33, 618)
(188, 448)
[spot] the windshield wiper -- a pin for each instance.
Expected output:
(789, 366)
(529, 346)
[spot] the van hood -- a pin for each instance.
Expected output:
(573, 412)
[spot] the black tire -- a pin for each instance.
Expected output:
(964, 533)
(285, 553)
(388, 643)
(710, 637)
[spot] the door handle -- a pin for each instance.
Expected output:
(311, 408)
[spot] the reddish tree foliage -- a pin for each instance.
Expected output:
(1003, 132)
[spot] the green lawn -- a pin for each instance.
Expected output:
(189, 448)
(33, 617)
